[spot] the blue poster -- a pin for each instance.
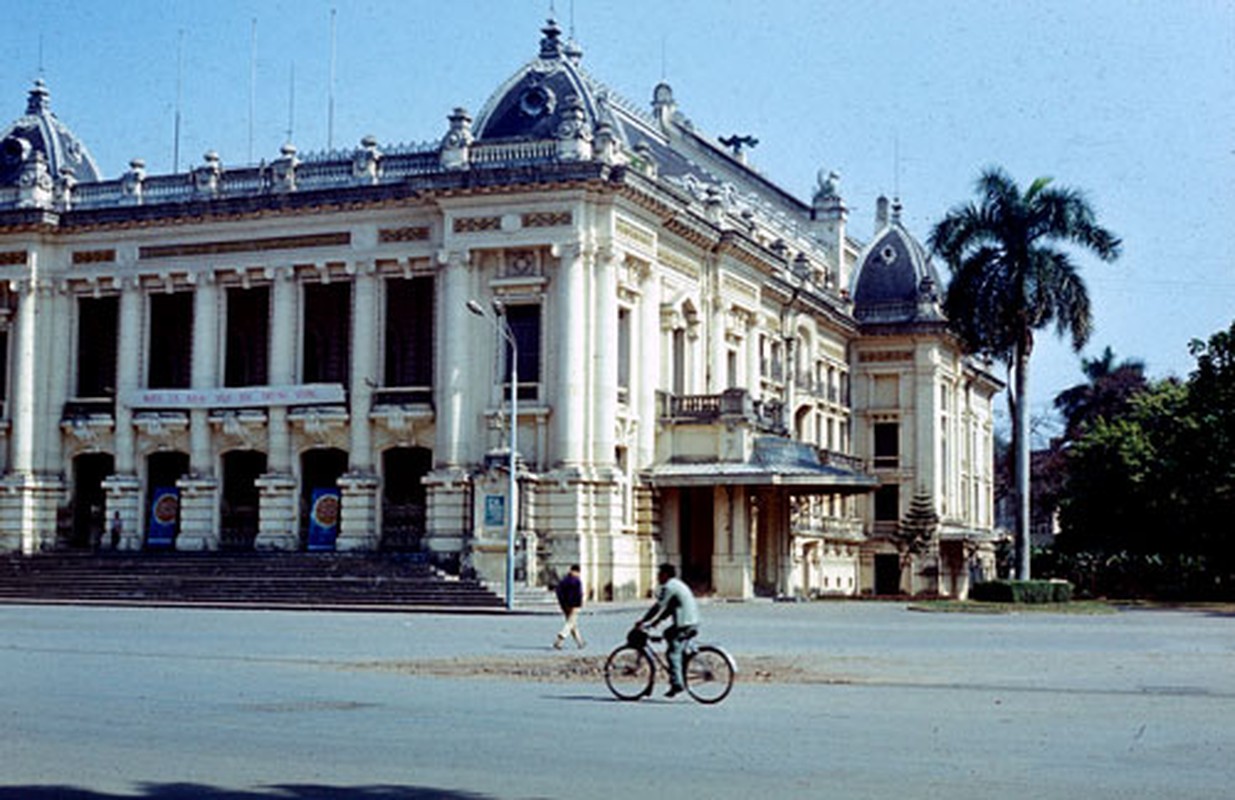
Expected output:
(324, 519)
(164, 517)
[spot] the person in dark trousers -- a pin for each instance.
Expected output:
(673, 598)
(570, 598)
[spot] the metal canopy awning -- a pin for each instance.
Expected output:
(775, 462)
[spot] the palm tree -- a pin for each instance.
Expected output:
(1010, 278)
(1108, 388)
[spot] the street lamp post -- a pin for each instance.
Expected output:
(502, 324)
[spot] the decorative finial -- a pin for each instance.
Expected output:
(38, 100)
(551, 44)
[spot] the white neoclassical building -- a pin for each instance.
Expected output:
(710, 370)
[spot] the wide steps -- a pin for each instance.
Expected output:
(299, 580)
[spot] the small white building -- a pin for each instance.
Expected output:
(710, 370)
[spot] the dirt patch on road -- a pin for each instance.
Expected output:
(563, 668)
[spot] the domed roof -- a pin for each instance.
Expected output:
(536, 100)
(895, 281)
(39, 132)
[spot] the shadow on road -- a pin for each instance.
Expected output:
(197, 791)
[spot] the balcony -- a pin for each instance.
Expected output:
(732, 405)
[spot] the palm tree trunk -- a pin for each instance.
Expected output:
(1020, 444)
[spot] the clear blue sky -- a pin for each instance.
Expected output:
(1133, 102)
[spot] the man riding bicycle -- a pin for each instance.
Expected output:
(673, 597)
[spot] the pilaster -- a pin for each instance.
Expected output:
(647, 373)
(604, 408)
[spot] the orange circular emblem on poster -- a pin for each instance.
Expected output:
(326, 511)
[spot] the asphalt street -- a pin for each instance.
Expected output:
(863, 700)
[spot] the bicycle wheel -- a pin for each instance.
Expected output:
(709, 674)
(629, 673)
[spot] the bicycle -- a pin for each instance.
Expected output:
(630, 670)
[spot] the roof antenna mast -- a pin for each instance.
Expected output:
(179, 98)
(252, 81)
(330, 99)
(291, 103)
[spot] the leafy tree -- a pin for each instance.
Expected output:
(1011, 277)
(916, 532)
(1106, 392)
(1209, 450)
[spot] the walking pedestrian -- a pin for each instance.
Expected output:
(570, 599)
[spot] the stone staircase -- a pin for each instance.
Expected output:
(322, 581)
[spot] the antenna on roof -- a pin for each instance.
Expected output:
(330, 100)
(572, 19)
(896, 164)
(179, 97)
(252, 81)
(291, 103)
(40, 54)
(663, 60)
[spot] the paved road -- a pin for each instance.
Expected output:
(236, 705)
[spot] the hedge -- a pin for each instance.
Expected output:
(1054, 591)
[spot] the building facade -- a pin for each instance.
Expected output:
(709, 370)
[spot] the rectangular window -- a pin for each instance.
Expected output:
(409, 332)
(327, 333)
(171, 341)
(887, 503)
(247, 355)
(731, 369)
(97, 332)
(623, 345)
(679, 362)
(524, 324)
(887, 444)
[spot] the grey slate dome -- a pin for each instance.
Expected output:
(895, 281)
(541, 96)
(38, 133)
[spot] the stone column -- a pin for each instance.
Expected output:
(731, 554)
(278, 526)
(453, 336)
(285, 297)
(448, 515)
(128, 373)
(199, 529)
(29, 520)
(278, 523)
(364, 366)
(569, 412)
(359, 515)
(199, 513)
(358, 521)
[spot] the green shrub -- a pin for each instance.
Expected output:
(1054, 591)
